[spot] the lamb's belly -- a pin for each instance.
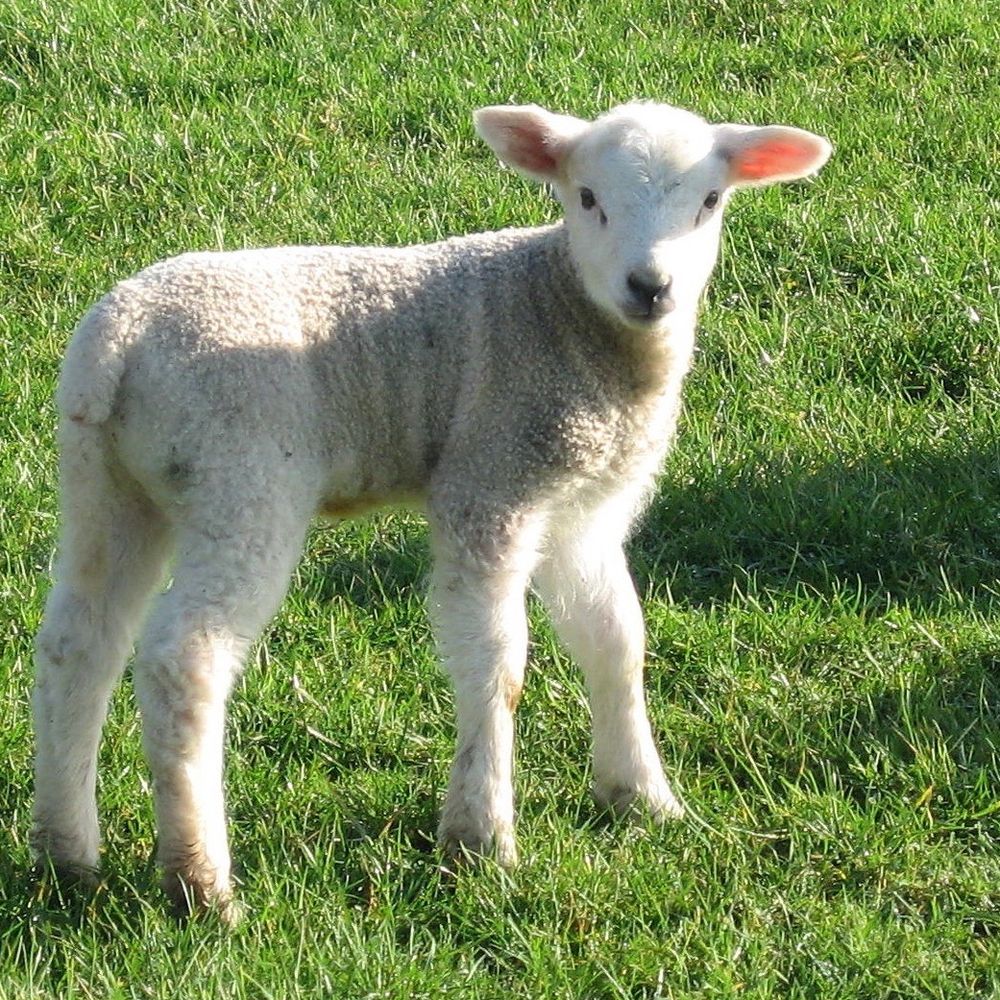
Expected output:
(358, 483)
(338, 508)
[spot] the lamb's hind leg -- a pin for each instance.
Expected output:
(232, 571)
(111, 555)
(585, 584)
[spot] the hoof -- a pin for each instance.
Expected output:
(464, 846)
(66, 875)
(190, 897)
(67, 860)
(658, 804)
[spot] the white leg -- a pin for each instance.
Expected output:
(482, 635)
(586, 586)
(229, 580)
(111, 557)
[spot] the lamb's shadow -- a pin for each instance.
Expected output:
(916, 529)
(909, 528)
(38, 903)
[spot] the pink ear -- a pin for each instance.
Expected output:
(772, 153)
(529, 138)
(528, 146)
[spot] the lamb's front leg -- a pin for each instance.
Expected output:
(482, 637)
(586, 586)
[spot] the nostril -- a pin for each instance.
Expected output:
(647, 288)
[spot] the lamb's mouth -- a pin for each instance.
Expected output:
(648, 315)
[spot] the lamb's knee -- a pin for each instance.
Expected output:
(513, 688)
(182, 680)
(80, 626)
(52, 650)
(75, 667)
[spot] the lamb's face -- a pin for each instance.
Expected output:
(643, 191)
(643, 188)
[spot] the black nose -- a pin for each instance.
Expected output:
(650, 293)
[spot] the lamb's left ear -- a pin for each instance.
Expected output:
(533, 141)
(763, 155)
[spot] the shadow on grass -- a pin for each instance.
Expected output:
(913, 527)
(907, 528)
(39, 910)
(389, 565)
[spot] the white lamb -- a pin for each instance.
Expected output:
(522, 386)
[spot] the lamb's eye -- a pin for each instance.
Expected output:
(587, 199)
(712, 200)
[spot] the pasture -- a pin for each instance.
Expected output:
(820, 568)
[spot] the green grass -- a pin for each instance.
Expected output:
(820, 567)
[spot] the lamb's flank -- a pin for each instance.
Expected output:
(521, 386)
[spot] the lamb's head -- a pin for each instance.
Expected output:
(643, 188)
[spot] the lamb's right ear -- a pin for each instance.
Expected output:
(533, 141)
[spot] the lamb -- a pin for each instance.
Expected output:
(521, 386)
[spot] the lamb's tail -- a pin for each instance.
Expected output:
(95, 360)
